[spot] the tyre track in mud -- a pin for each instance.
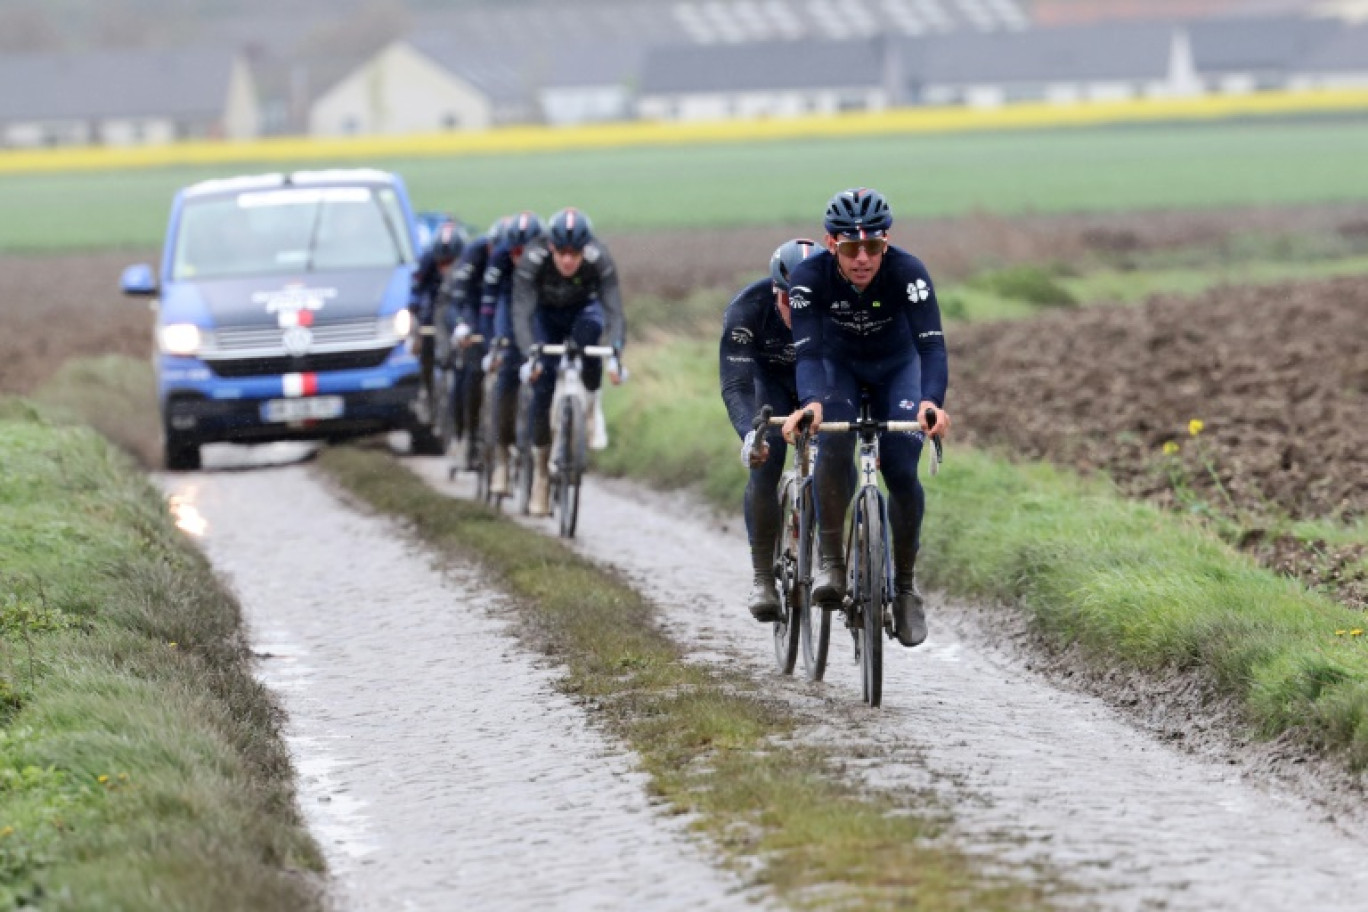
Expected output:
(439, 768)
(1035, 775)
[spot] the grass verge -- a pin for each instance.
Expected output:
(1130, 584)
(140, 762)
(712, 746)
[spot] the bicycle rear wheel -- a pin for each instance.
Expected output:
(790, 623)
(522, 483)
(815, 632)
(570, 463)
(868, 551)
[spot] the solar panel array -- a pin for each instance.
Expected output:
(741, 21)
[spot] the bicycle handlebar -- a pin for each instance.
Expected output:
(841, 427)
(589, 351)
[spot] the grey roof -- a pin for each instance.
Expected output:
(762, 67)
(489, 70)
(1344, 52)
(1106, 51)
(1256, 43)
(105, 84)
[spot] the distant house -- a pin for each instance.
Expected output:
(1235, 56)
(124, 98)
(766, 79)
(1341, 62)
(1109, 61)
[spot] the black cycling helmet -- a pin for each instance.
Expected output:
(522, 228)
(787, 257)
(860, 212)
(571, 229)
(447, 242)
(496, 229)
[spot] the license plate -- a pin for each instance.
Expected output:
(313, 408)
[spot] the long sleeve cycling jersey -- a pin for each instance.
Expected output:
(754, 339)
(538, 283)
(495, 291)
(427, 280)
(894, 318)
(465, 285)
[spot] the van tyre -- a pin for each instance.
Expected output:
(181, 454)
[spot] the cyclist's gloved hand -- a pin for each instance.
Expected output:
(754, 452)
(487, 362)
(525, 372)
(459, 334)
(616, 372)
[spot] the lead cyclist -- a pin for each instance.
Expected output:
(865, 317)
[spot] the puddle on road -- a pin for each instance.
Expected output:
(1035, 776)
(438, 766)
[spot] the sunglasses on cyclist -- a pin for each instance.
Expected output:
(851, 247)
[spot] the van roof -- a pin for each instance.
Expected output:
(292, 179)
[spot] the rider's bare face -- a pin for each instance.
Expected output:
(859, 259)
(567, 260)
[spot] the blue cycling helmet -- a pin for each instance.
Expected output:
(787, 257)
(496, 229)
(522, 228)
(860, 212)
(571, 229)
(447, 242)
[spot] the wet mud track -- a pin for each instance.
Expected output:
(1034, 775)
(439, 768)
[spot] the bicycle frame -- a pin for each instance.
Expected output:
(569, 405)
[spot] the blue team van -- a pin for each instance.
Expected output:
(282, 311)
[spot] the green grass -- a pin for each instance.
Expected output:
(712, 746)
(1067, 170)
(1135, 587)
(140, 762)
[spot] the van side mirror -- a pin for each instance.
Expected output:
(139, 280)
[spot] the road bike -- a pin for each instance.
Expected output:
(488, 430)
(569, 431)
(867, 606)
(464, 433)
(793, 554)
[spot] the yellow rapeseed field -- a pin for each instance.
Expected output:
(1033, 115)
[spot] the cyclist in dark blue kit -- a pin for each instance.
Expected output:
(521, 230)
(566, 287)
(433, 267)
(865, 319)
(756, 363)
(462, 294)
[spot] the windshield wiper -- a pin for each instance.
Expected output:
(313, 236)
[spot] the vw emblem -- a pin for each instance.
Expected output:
(297, 340)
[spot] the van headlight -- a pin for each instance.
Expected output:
(403, 323)
(180, 338)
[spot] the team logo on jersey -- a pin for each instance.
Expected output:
(840, 307)
(742, 336)
(798, 297)
(918, 291)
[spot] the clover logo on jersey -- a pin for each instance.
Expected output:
(918, 291)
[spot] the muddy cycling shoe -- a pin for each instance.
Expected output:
(909, 616)
(829, 589)
(764, 600)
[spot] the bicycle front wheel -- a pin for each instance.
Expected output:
(868, 536)
(790, 622)
(569, 463)
(816, 624)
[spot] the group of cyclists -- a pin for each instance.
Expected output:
(835, 320)
(491, 302)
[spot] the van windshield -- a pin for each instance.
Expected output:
(291, 230)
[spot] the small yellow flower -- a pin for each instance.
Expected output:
(172, 645)
(1356, 632)
(123, 777)
(1170, 447)
(102, 779)
(7, 831)
(1340, 633)
(1195, 426)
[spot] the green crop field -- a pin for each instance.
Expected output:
(1064, 170)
